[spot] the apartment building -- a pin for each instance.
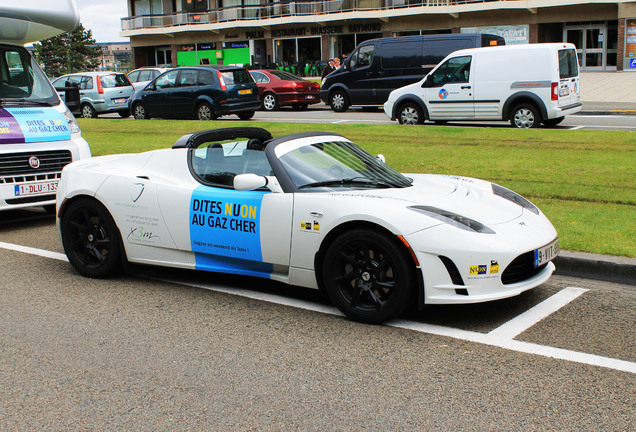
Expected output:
(283, 32)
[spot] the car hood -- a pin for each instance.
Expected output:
(464, 196)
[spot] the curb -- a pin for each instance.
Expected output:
(595, 266)
(628, 112)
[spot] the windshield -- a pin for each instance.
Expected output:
(21, 79)
(336, 165)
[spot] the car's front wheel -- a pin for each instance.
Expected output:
(368, 276)
(270, 102)
(88, 111)
(339, 101)
(91, 239)
(205, 112)
(139, 112)
(410, 114)
(245, 115)
(525, 116)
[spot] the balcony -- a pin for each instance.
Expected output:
(304, 11)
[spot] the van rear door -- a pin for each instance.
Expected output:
(568, 87)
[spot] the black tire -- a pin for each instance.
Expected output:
(88, 111)
(410, 113)
(270, 102)
(91, 239)
(139, 112)
(368, 276)
(525, 116)
(553, 122)
(245, 115)
(205, 112)
(300, 107)
(124, 113)
(339, 101)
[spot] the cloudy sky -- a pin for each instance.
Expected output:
(103, 18)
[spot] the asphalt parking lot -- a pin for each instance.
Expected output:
(178, 350)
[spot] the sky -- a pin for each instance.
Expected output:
(103, 18)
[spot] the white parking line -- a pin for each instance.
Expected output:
(521, 323)
(501, 337)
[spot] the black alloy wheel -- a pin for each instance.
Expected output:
(368, 276)
(91, 239)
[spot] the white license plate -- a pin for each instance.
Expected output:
(564, 91)
(120, 100)
(36, 188)
(546, 253)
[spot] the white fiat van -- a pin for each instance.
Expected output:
(38, 134)
(526, 84)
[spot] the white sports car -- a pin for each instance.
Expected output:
(308, 209)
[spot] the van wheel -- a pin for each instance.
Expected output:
(525, 116)
(410, 114)
(88, 111)
(270, 102)
(245, 115)
(553, 122)
(139, 112)
(339, 101)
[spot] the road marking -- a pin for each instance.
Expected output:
(501, 337)
(523, 322)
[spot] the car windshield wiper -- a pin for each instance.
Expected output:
(348, 181)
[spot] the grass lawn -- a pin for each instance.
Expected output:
(584, 181)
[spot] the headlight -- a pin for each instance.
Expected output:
(514, 197)
(70, 119)
(458, 221)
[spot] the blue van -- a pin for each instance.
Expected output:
(378, 66)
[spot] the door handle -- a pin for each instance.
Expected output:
(465, 87)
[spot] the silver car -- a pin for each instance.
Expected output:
(100, 92)
(142, 76)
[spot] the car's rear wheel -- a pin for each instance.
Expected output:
(368, 276)
(139, 112)
(270, 102)
(553, 122)
(245, 115)
(91, 239)
(339, 101)
(410, 114)
(205, 112)
(525, 116)
(88, 111)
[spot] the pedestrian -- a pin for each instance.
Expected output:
(329, 68)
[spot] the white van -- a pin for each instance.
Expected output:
(526, 84)
(38, 134)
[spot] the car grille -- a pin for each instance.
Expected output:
(15, 168)
(520, 269)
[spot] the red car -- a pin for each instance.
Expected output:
(276, 88)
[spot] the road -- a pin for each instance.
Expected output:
(178, 350)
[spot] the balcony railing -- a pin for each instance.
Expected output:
(279, 10)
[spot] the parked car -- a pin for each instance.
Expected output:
(279, 88)
(202, 92)
(307, 209)
(378, 66)
(100, 92)
(526, 84)
(142, 76)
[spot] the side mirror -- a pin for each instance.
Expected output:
(381, 158)
(244, 182)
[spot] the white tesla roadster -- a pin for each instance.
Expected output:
(311, 210)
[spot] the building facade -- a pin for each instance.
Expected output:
(268, 33)
(116, 56)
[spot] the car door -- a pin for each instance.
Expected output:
(226, 230)
(448, 90)
(184, 95)
(156, 98)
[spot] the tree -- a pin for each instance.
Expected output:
(70, 52)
